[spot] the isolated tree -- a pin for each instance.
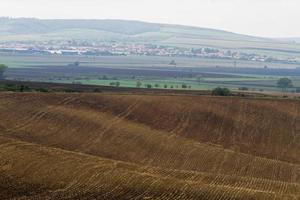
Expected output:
(149, 86)
(76, 64)
(284, 83)
(138, 84)
(22, 88)
(199, 79)
(184, 86)
(118, 84)
(2, 70)
(173, 63)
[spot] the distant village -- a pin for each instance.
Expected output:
(122, 49)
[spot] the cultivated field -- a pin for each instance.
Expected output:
(113, 146)
(197, 73)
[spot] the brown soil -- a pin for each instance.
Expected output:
(113, 146)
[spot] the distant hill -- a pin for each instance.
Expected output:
(293, 40)
(37, 26)
(30, 29)
(98, 29)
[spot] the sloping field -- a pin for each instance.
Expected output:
(112, 146)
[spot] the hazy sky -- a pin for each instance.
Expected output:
(271, 18)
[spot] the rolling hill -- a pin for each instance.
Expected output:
(294, 40)
(24, 29)
(121, 146)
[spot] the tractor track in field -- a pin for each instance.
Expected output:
(38, 115)
(148, 147)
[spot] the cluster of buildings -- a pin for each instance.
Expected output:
(114, 48)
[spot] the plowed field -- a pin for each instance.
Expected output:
(112, 146)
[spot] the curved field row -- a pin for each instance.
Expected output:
(135, 147)
(58, 174)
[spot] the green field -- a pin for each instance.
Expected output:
(23, 60)
(159, 83)
(254, 84)
(49, 68)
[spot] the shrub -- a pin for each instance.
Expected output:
(42, 90)
(69, 90)
(221, 92)
(10, 87)
(97, 90)
(15, 88)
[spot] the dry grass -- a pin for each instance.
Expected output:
(108, 146)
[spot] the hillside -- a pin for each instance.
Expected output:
(113, 146)
(24, 29)
(294, 40)
(26, 26)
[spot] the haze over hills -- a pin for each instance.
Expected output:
(30, 29)
(294, 40)
(20, 26)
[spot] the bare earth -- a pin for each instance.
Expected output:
(113, 146)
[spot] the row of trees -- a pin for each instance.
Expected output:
(283, 83)
(139, 84)
(116, 84)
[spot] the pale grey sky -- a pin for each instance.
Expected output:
(270, 18)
